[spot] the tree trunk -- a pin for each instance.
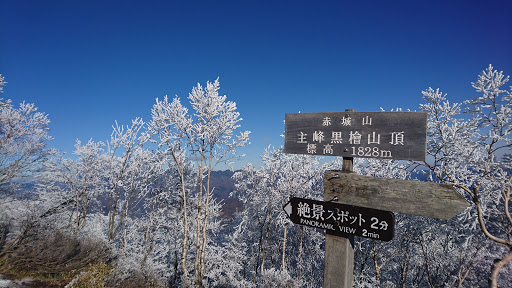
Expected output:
(264, 251)
(148, 235)
(375, 264)
(185, 228)
(496, 268)
(205, 221)
(197, 269)
(301, 251)
(283, 266)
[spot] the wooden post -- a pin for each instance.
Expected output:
(339, 262)
(339, 252)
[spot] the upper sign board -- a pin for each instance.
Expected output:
(388, 135)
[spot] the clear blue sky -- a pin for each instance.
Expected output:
(89, 63)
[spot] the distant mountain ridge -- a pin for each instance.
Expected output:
(224, 184)
(221, 182)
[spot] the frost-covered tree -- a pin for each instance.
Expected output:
(471, 151)
(207, 139)
(79, 181)
(226, 263)
(273, 242)
(430, 252)
(23, 139)
(168, 129)
(129, 173)
(155, 237)
(2, 84)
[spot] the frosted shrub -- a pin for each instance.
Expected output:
(278, 279)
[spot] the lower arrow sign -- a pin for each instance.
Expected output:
(340, 219)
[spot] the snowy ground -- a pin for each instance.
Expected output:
(10, 283)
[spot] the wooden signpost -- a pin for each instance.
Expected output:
(386, 135)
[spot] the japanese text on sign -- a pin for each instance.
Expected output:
(340, 219)
(391, 135)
